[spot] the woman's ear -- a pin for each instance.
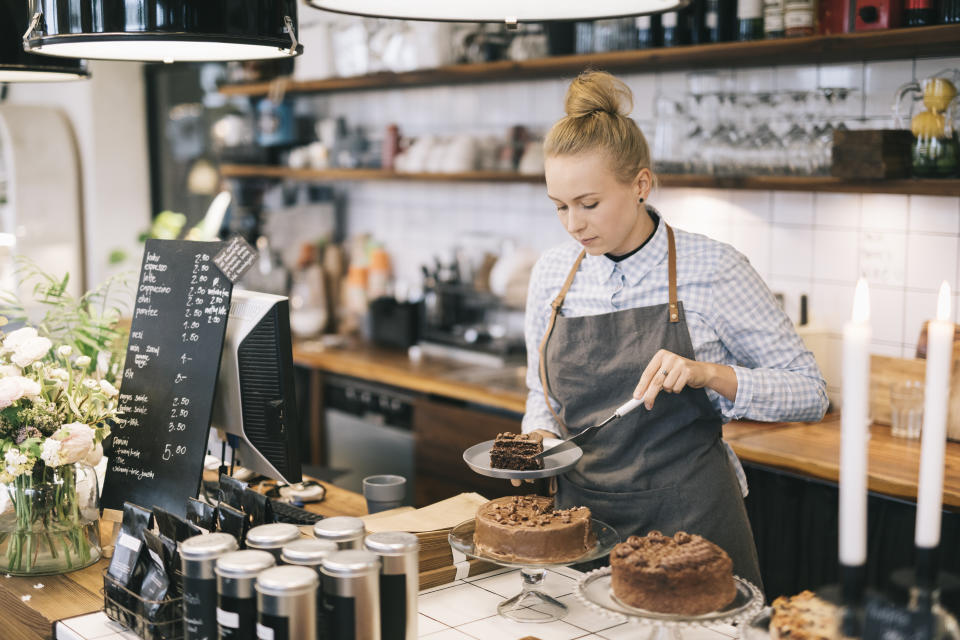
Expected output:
(644, 183)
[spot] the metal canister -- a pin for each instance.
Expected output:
(236, 599)
(198, 557)
(351, 595)
(287, 603)
(308, 552)
(272, 537)
(399, 582)
(347, 532)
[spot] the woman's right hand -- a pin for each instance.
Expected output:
(545, 434)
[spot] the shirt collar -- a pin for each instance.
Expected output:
(636, 267)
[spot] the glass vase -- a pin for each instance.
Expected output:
(49, 521)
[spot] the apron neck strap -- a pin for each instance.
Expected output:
(672, 273)
(558, 303)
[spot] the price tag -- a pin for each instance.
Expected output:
(235, 258)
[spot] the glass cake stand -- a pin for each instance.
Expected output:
(532, 574)
(594, 591)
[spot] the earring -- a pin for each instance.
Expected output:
(640, 201)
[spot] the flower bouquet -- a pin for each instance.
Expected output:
(56, 403)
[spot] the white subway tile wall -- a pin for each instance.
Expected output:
(801, 243)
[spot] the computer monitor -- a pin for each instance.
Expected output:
(255, 398)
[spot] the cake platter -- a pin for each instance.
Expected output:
(477, 458)
(521, 607)
(594, 591)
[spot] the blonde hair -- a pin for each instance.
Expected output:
(597, 106)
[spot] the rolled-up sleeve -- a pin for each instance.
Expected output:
(777, 376)
(536, 319)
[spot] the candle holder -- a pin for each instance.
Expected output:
(853, 580)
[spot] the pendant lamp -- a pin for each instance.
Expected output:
(16, 65)
(509, 11)
(164, 30)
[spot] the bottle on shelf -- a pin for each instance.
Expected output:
(649, 32)
(949, 11)
(918, 13)
(773, 23)
(800, 18)
(749, 19)
(834, 16)
(720, 19)
(674, 30)
(695, 16)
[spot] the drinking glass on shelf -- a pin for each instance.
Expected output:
(906, 409)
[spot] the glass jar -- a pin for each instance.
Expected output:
(49, 521)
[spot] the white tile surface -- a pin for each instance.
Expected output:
(830, 304)
(837, 210)
(499, 627)
(935, 214)
(461, 604)
(883, 257)
(509, 584)
(797, 78)
(928, 66)
(793, 251)
(792, 208)
(427, 625)
(884, 212)
(931, 259)
(881, 82)
(835, 255)
(580, 616)
(449, 634)
(919, 308)
(886, 314)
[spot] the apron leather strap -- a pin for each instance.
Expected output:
(558, 302)
(672, 273)
(555, 310)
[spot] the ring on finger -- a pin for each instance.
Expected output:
(664, 372)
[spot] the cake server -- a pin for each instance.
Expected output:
(589, 432)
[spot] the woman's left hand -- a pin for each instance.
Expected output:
(671, 373)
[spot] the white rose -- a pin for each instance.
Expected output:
(14, 457)
(90, 384)
(93, 458)
(108, 389)
(15, 338)
(30, 351)
(76, 441)
(11, 390)
(82, 362)
(59, 373)
(7, 370)
(64, 350)
(50, 452)
(31, 388)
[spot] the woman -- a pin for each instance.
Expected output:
(635, 308)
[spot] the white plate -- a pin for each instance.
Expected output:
(477, 458)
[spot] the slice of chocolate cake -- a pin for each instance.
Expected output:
(516, 450)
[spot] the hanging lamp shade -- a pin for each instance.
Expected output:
(165, 30)
(17, 65)
(508, 11)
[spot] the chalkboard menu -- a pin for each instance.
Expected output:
(169, 377)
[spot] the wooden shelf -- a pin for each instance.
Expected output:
(947, 187)
(918, 42)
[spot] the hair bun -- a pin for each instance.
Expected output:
(597, 91)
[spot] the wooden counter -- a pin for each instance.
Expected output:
(809, 449)
(78, 592)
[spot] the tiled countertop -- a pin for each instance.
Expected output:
(466, 610)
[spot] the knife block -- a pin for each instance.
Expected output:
(885, 371)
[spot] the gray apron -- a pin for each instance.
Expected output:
(663, 469)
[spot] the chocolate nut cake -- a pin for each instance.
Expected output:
(684, 574)
(516, 450)
(528, 528)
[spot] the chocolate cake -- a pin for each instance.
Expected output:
(516, 450)
(804, 617)
(528, 528)
(685, 574)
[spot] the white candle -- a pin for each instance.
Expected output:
(936, 394)
(854, 418)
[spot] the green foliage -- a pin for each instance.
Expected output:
(90, 323)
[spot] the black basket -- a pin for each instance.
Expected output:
(126, 607)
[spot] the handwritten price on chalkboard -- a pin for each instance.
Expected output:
(169, 451)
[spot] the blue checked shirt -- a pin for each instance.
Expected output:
(732, 317)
